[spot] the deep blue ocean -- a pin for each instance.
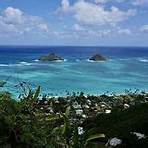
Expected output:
(126, 68)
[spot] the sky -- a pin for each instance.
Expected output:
(74, 22)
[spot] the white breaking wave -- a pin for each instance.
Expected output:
(18, 64)
(88, 60)
(9, 65)
(60, 60)
(92, 61)
(36, 60)
(143, 60)
(25, 63)
(4, 65)
(137, 59)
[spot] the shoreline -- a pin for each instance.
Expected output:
(70, 94)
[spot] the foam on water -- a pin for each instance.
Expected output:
(4, 65)
(92, 61)
(17, 64)
(77, 60)
(25, 63)
(36, 60)
(10, 65)
(143, 60)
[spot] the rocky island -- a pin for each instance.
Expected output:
(98, 57)
(50, 57)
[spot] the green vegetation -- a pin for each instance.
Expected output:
(75, 121)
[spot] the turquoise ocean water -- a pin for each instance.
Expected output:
(126, 68)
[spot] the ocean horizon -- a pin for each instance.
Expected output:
(126, 68)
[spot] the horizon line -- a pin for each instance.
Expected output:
(18, 45)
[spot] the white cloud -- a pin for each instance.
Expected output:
(77, 27)
(43, 27)
(106, 1)
(65, 5)
(15, 22)
(93, 14)
(14, 16)
(93, 20)
(144, 28)
(139, 2)
(100, 1)
(89, 13)
(134, 2)
(124, 31)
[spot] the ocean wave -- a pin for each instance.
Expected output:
(16, 64)
(88, 60)
(9, 65)
(125, 59)
(25, 63)
(60, 60)
(77, 60)
(143, 60)
(4, 65)
(91, 61)
(134, 59)
(36, 60)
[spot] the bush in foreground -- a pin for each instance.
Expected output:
(75, 121)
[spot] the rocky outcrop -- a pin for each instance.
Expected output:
(98, 57)
(50, 57)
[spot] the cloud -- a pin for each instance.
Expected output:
(144, 28)
(106, 1)
(139, 2)
(77, 27)
(13, 21)
(92, 19)
(88, 13)
(13, 16)
(65, 5)
(133, 2)
(43, 27)
(100, 1)
(124, 31)
(92, 14)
